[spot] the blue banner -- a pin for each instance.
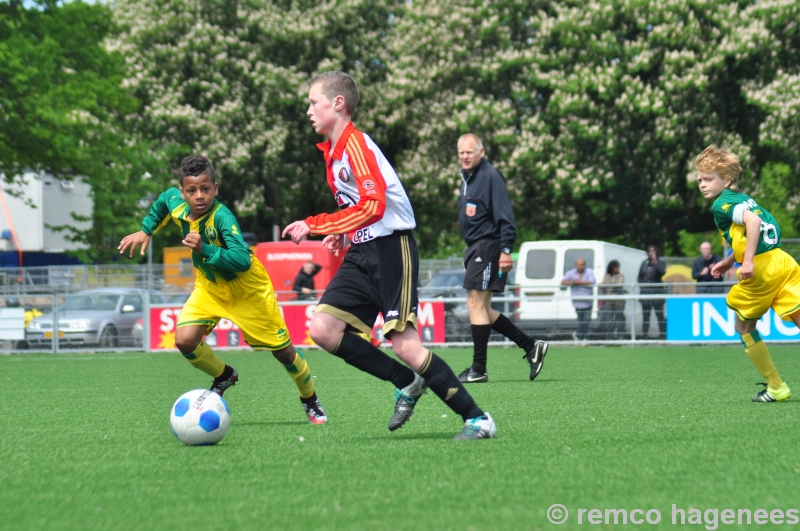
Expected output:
(710, 319)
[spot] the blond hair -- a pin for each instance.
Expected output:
(721, 161)
(335, 83)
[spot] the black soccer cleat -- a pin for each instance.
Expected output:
(470, 375)
(228, 378)
(405, 401)
(536, 356)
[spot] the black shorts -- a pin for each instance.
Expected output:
(379, 276)
(481, 260)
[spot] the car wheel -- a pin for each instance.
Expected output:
(108, 338)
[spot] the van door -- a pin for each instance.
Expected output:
(538, 289)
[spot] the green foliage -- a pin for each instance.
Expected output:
(689, 244)
(593, 111)
(227, 79)
(63, 108)
(776, 194)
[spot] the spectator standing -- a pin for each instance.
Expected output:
(304, 281)
(612, 311)
(581, 279)
(652, 272)
(487, 225)
(701, 269)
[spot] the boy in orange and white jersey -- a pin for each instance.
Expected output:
(380, 271)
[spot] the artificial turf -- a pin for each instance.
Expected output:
(85, 444)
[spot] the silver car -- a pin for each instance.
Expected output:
(93, 318)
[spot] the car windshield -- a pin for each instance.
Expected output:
(94, 302)
(446, 280)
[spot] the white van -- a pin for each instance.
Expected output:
(542, 265)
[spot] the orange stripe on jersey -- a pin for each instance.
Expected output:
(372, 198)
(356, 157)
(343, 224)
(366, 212)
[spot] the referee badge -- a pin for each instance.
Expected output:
(211, 234)
(344, 175)
(471, 209)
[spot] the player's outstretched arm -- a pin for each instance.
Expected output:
(133, 241)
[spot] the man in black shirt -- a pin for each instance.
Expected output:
(701, 270)
(487, 225)
(304, 281)
(651, 273)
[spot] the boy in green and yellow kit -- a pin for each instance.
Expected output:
(768, 277)
(231, 283)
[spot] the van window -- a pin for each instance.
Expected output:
(541, 264)
(573, 254)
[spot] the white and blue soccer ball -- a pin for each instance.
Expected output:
(200, 417)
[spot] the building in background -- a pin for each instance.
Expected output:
(44, 201)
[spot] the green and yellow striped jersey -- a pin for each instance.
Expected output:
(224, 255)
(729, 203)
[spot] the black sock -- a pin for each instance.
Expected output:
(442, 380)
(363, 355)
(227, 372)
(480, 340)
(504, 326)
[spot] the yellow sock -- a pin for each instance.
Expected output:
(204, 359)
(759, 355)
(301, 375)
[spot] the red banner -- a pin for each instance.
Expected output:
(430, 320)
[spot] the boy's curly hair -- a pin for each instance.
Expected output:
(721, 161)
(195, 165)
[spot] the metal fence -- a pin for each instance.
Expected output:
(49, 280)
(624, 318)
(617, 318)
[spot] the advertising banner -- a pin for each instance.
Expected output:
(164, 318)
(710, 319)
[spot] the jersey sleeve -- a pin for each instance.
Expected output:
(502, 211)
(371, 190)
(233, 254)
(159, 214)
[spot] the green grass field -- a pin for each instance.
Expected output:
(85, 444)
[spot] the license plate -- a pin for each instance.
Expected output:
(49, 335)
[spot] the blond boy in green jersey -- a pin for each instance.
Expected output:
(768, 277)
(231, 283)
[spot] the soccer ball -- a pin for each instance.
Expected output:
(200, 417)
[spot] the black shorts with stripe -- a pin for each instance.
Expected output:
(379, 276)
(481, 259)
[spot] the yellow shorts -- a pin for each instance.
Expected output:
(249, 301)
(775, 283)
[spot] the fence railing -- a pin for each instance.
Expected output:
(73, 278)
(678, 314)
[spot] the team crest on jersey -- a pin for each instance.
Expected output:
(369, 184)
(344, 175)
(726, 207)
(471, 208)
(344, 200)
(211, 234)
